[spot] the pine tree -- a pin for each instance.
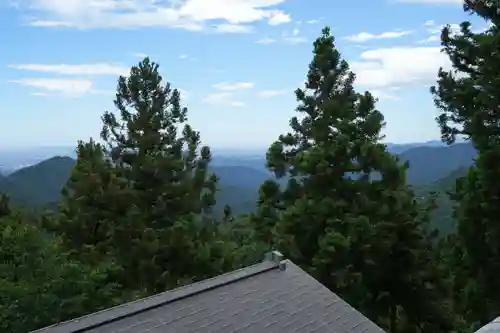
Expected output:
(90, 206)
(146, 196)
(159, 155)
(347, 215)
(266, 216)
(469, 103)
(4, 205)
(228, 214)
(166, 168)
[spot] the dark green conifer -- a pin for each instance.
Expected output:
(347, 215)
(146, 196)
(468, 99)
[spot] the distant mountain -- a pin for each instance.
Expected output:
(398, 148)
(240, 175)
(448, 183)
(252, 162)
(39, 186)
(12, 159)
(430, 164)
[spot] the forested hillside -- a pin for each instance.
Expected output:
(38, 187)
(441, 216)
(146, 212)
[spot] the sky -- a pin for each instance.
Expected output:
(236, 62)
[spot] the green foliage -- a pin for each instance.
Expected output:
(38, 187)
(4, 206)
(442, 216)
(138, 213)
(468, 99)
(363, 238)
(91, 185)
(39, 285)
(248, 247)
(145, 198)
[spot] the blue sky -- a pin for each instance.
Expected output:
(237, 62)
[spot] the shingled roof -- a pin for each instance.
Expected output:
(492, 327)
(272, 296)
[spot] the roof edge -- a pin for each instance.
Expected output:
(273, 260)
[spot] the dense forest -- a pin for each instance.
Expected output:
(137, 216)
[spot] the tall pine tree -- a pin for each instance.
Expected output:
(470, 107)
(347, 215)
(145, 197)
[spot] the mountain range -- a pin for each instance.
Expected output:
(432, 167)
(12, 159)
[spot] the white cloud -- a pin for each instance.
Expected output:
(67, 69)
(437, 28)
(435, 31)
(289, 37)
(270, 93)
(279, 17)
(186, 14)
(366, 36)
(40, 94)
(233, 28)
(225, 86)
(265, 41)
(398, 66)
(183, 56)
(430, 39)
(312, 21)
(222, 98)
(232, 11)
(66, 87)
(293, 37)
(225, 94)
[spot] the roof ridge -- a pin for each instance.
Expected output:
(273, 260)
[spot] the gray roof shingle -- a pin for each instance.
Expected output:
(492, 327)
(273, 296)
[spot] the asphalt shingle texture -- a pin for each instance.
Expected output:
(274, 300)
(493, 327)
